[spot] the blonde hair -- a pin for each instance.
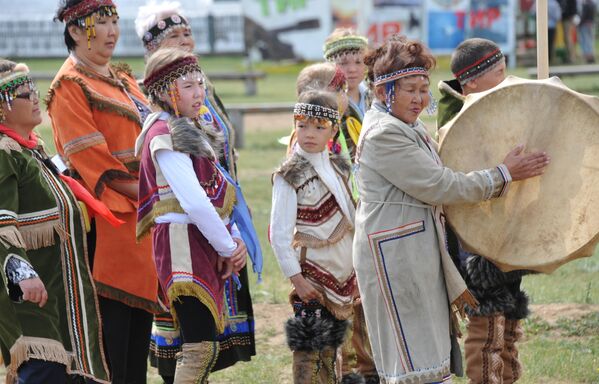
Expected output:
(339, 33)
(160, 59)
(315, 76)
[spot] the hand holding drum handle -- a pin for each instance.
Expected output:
(525, 165)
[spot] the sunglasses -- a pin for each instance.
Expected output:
(32, 95)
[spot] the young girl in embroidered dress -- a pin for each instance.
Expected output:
(311, 232)
(186, 201)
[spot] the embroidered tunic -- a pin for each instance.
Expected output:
(188, 236)
(95, 120)
(312, 226)
(42, 233)
(406, 278)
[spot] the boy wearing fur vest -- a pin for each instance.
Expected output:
(311, 234)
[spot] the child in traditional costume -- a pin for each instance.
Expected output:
(356, 349)
(408, 283)
(187, 202)
(162, 24)
(311, 233)
(49, 322)
(494, 326)
(346, 50)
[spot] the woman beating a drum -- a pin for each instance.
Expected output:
(409, 286)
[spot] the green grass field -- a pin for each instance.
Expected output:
(562, 336)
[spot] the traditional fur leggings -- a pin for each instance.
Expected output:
(314, 335)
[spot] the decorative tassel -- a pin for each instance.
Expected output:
(88, 31)
(37, 236)
(431, 108)
(10, 236)
(173, 92)
(27, 347)
(390, 95)
(334, 147)
(180, 288)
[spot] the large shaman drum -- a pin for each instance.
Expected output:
(545, 221)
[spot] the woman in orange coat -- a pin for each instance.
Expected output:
(97, 111)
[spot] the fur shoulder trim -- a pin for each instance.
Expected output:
(342, 162)
(216, 138)
(294, 169)
(451, 88)
(122, 67)
(188, 138)
(7, 144)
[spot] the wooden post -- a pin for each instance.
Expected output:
(542, 40)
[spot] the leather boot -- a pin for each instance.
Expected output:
(195, 361)
(483, 347)
(361, 343)
(314, 367)
(512, 368)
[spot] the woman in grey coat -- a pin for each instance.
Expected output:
(409, 286)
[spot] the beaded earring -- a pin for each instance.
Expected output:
(390, 94)
(173, 93)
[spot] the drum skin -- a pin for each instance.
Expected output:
(542, 222)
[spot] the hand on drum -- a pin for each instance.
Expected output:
(524, 165)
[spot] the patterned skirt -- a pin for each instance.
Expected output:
(236, 341)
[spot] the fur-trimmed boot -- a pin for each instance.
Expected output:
(195, 361)
(352, 378)
(483, 347)
(512, 368)
(314, 336)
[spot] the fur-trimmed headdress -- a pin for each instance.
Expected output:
(155, 21)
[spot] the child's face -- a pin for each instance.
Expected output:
(314, 134)
(353, 68)
(488, 80)
(191, 94)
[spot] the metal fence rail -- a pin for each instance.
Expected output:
(44, 38)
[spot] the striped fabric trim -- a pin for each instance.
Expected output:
(328, 280)
(7, 218)
(490, 185)
(83, 142)
(320, 212)
(507, 179)
(38, 217)
(126, 155)
(72, 274)
(376, 241)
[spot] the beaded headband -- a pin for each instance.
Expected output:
(479, 67)
(160, 81)
(163, 28)
(344, 44)
(86, 8)
(316, 111)
(8, 88)
(390, 77)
